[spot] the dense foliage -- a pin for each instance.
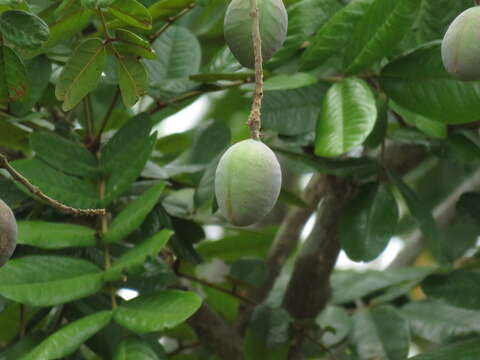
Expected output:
(376, 141)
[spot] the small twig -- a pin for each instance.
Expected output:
(169, 22)
(103, 229)
(104, 24)
(37, 192)
(103, 125)
(254, 120)
(216, 287)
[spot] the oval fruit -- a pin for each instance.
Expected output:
(247, 182)
(8, 233)
(273, 21)
(461, 46)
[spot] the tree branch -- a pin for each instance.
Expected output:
(37, 192)
(309, 288)
(169, 22)
(288, 235)
(212, 330)
(254, 120)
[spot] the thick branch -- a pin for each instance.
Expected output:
(37, 192)
(212, 330)
(309, 288)
(287, 237)
(254, 120)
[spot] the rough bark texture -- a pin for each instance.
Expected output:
(309, 288)
(212, 330)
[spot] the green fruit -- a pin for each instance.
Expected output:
(8, 233)
(238, 29)
(461, 46)
(247, 182)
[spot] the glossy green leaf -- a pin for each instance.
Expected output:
(97, 3)
(439, 322)
(468, 350)
(339, 167)
(338, 319)
(436, 16)
(69, 190)
(123, 149)
(334, 35)
(134, 214)
(380, 332)
(64, 154)
(419, 82)
(163, 9)
(267, 335)
(132, 79)
(63, 29)
(131, 43)
(157, 311)
(81, 73)
(430, 127)
(138, 254)
(132, 12)
(448, 287)
(23, 29)
(294, 111)
(422, 215)
(289, 81)
(39, 70)
(179, 56)
(13, 76)
(135, 349)
(305, 17)
(209, 141)
(351, 285)
(50, 235)
(49, 280)
(233, 247)
(380, 29)
(348, 116)
(369, 223)
(69, 338)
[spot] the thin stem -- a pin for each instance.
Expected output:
(194, 93)
(254, 120)
(170, 21)
(109, 112)
(103, 230)
(104, 24)
(37, 192)
(88, 115)
(216, 287)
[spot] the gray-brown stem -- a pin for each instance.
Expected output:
(254, 120)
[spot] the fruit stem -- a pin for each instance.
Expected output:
(254, 120)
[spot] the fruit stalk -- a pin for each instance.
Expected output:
(254, 120)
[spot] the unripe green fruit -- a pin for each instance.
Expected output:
(238, 29)
(461, 46)
(247, 182)
(8, 233)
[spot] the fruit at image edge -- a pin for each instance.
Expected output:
(461, 46)
(247, 182)
(273, 21)
(8, 233)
